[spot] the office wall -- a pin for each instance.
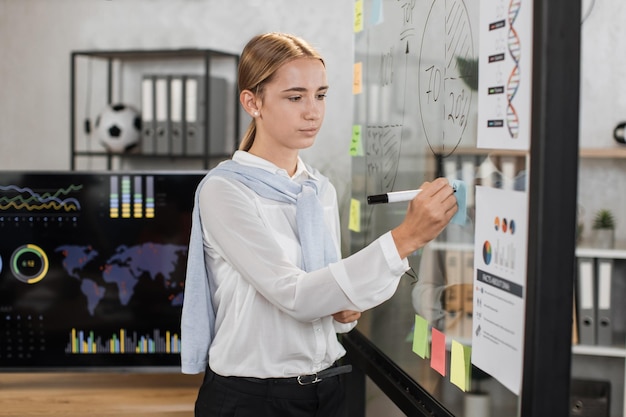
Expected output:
(603, 71)
(602, 106)
(37, 37)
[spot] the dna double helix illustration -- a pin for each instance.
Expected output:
(513, 82)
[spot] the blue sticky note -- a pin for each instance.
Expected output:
(377, 12)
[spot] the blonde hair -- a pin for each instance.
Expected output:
(260, 59)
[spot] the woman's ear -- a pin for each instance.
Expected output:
(249, 102)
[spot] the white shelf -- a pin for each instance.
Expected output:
(459, 246)
(613, 351)
(619, 252)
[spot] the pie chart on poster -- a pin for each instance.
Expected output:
(487, 252)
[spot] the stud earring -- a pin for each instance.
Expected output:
(256, 114)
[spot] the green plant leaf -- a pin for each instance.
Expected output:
(468, 68)
(604, 219)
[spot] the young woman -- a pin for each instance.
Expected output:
(266, 290)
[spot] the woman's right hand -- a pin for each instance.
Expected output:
(426, 217)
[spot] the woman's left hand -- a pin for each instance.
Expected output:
(347, 316)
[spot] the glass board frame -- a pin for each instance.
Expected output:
(553, 164)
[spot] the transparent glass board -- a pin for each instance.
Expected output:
(415, 119)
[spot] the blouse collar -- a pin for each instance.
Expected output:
(302, 171)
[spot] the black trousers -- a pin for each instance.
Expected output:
(247, 397)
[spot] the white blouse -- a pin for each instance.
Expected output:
(273, 318)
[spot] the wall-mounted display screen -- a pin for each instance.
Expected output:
(92, 268)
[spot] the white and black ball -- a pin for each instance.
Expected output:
(118, 128)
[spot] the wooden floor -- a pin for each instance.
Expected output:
(98, 394)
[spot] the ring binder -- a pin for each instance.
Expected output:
(604, 323)
(147, 115)
(586, 301)
(193, 131)
(176, 115)
(161, 114)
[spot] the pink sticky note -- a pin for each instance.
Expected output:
(438, 352)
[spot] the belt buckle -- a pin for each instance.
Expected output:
(308, 379)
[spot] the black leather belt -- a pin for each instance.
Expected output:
(326, 373)
(303, 387)
(305, 379)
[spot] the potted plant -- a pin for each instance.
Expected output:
(604, 229)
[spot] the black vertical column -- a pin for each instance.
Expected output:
(73, 111)
(552, 208)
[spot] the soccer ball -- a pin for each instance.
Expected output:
(118, 128)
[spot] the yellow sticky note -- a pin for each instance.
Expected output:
(354, 223)
(460, 366)
(420, 337)
(357, 79)
(358, 16)
(356, 146)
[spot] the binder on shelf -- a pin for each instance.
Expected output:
(176, 115)
(468, 169)
(450, 170)
(196, 136)
(193, 130)
(604, 324)
(453, 294)
(468, 292)
(486, 172)
(161, 112)
(148, 124)
(508, 172)
(217, 121)
(586, 301)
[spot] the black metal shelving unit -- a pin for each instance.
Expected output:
(205, 59)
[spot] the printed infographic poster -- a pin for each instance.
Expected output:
(500, 255)
(505, 74)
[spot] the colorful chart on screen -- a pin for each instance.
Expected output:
(93, 271)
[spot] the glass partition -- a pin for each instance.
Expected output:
(456, 326)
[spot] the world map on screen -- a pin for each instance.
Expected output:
(124, 268)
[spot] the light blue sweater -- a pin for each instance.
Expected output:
(198, 315)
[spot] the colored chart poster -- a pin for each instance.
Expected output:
(505, 74)
(500, 284)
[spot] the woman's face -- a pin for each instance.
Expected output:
(293, 105)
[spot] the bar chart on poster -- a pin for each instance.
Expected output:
(419, 113)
